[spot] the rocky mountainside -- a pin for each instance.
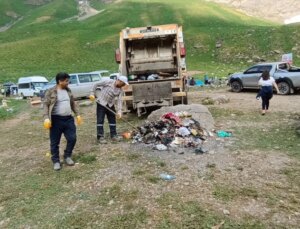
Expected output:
(283, 11)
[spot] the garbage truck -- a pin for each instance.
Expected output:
(153, 59)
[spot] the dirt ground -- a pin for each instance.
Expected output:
(250, 180)
(245, 101)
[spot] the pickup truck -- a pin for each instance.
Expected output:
(286, 76)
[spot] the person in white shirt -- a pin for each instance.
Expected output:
(266, 92)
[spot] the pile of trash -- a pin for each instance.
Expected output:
(177, 129)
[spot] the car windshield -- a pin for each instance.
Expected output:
(53, 81)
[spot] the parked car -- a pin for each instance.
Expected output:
(9, 88)
(286, 76)
(80, 84)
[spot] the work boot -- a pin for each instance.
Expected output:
(101, 140)
(56, 166)
(115, 138)
(69, 161)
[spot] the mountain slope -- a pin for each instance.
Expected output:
(279, 11)
(49, 39)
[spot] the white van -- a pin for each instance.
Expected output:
(30, 86)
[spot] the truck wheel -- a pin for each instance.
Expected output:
(236, 86)
(185, 100)
(284, 87)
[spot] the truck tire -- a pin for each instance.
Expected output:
(185, 100)
(284, 87)
(236, 86)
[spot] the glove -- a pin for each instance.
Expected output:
(47, 123)
(78, 120)
(92, 97)
(119, 115)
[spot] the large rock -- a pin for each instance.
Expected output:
(199, 112)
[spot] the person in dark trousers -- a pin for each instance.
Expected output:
(58, 106)
(266, 92)
(192, 82)
(105, 92)
(206, 79)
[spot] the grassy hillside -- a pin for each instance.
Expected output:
(44, 43)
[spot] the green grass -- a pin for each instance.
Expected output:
(224, 193)
(278, 136)
(85, 158)
(191, 214)
(89, 45)
(14, 108)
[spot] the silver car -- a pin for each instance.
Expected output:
(287, 77)
(80, 84)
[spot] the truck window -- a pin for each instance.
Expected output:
(252, 70)
(263, 68)
(283, 66)
(84, 78)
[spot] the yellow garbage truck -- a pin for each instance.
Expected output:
(153, 59)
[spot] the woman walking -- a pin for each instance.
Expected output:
(266, 92)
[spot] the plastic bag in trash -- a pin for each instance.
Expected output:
(183, 131)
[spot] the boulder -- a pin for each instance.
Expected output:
(199, 112)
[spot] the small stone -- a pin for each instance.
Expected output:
(226, 212)
(240, 168)
(210, 165)
(111, 202)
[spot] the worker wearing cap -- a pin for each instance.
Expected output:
(105, 92)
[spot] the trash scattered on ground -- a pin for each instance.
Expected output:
(126, 135)
(197, 111)
(172, 130)
(224, 134)
(166, 176)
